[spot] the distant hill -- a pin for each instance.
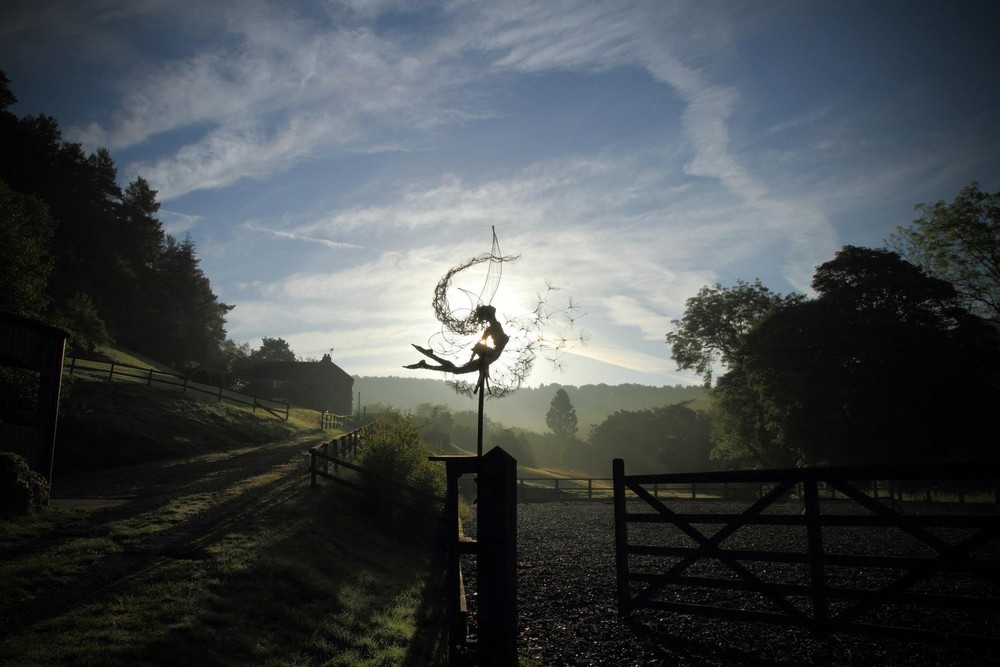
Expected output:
(527, 408)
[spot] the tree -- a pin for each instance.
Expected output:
(885, 366)
(673, 438)
(272, 349)
(715, 323)
(959, 242)
(7, 98)
(135, 255)
(110, 264)
(190, 319)
(561, 417)
(515, 443)
(741, 435)
(80, 318)
(25, 262)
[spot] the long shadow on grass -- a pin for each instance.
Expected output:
(342, 584)
(314, 577)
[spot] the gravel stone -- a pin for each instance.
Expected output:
(567, 610)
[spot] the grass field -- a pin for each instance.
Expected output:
(310, 580)
(306, 576)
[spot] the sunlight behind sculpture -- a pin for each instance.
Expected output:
(470, 324)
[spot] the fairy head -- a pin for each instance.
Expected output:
(486, 313)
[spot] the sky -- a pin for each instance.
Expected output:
(333, 160)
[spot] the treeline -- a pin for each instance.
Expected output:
(892, 361)
(526, 408)
(665, 438)
(80, 252)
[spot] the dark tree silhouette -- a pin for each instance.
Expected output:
(561, 417)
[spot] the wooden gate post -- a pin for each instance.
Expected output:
(497, 562)
(457, 544)
(621, 538)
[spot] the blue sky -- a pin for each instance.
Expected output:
(332, 160)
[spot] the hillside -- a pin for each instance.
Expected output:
(526, 408)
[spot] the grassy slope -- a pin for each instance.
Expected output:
(111, 424)
(314, 579)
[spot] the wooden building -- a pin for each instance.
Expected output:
(31, 360)
(319, 385)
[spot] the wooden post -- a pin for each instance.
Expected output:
(621, 537)
(497, 564)
(817, 574)
(455, 467)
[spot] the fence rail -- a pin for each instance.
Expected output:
(813, 576)
(114, 371)
(541, 489)
(344, 454)
(338, 451)
(328, 420)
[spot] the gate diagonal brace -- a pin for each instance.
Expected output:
(950, 555)
(709, 548)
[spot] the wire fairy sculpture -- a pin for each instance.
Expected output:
(523, 335)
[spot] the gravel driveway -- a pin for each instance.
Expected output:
(568, 615)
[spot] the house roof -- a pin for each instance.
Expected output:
(281, 368)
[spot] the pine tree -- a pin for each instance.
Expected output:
(561, 417)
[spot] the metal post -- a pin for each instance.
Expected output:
(479, 432)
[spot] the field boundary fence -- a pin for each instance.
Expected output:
(328, 420)
(543, 489)
(117, 372)
(327, 458)
(840, 561)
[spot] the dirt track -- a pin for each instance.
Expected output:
(231, 487)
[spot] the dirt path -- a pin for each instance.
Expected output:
(172, 509)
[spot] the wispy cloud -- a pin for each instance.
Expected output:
(326, 243)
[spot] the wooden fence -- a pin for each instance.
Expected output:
(339, 451)
(150, 377)
(342, 453)
(328, 420)
(792, 557)
(542, 489)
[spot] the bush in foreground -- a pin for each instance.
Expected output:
(20, 486)
(393, 449)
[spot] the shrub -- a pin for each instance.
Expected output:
(20, 486)
(392, 448)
